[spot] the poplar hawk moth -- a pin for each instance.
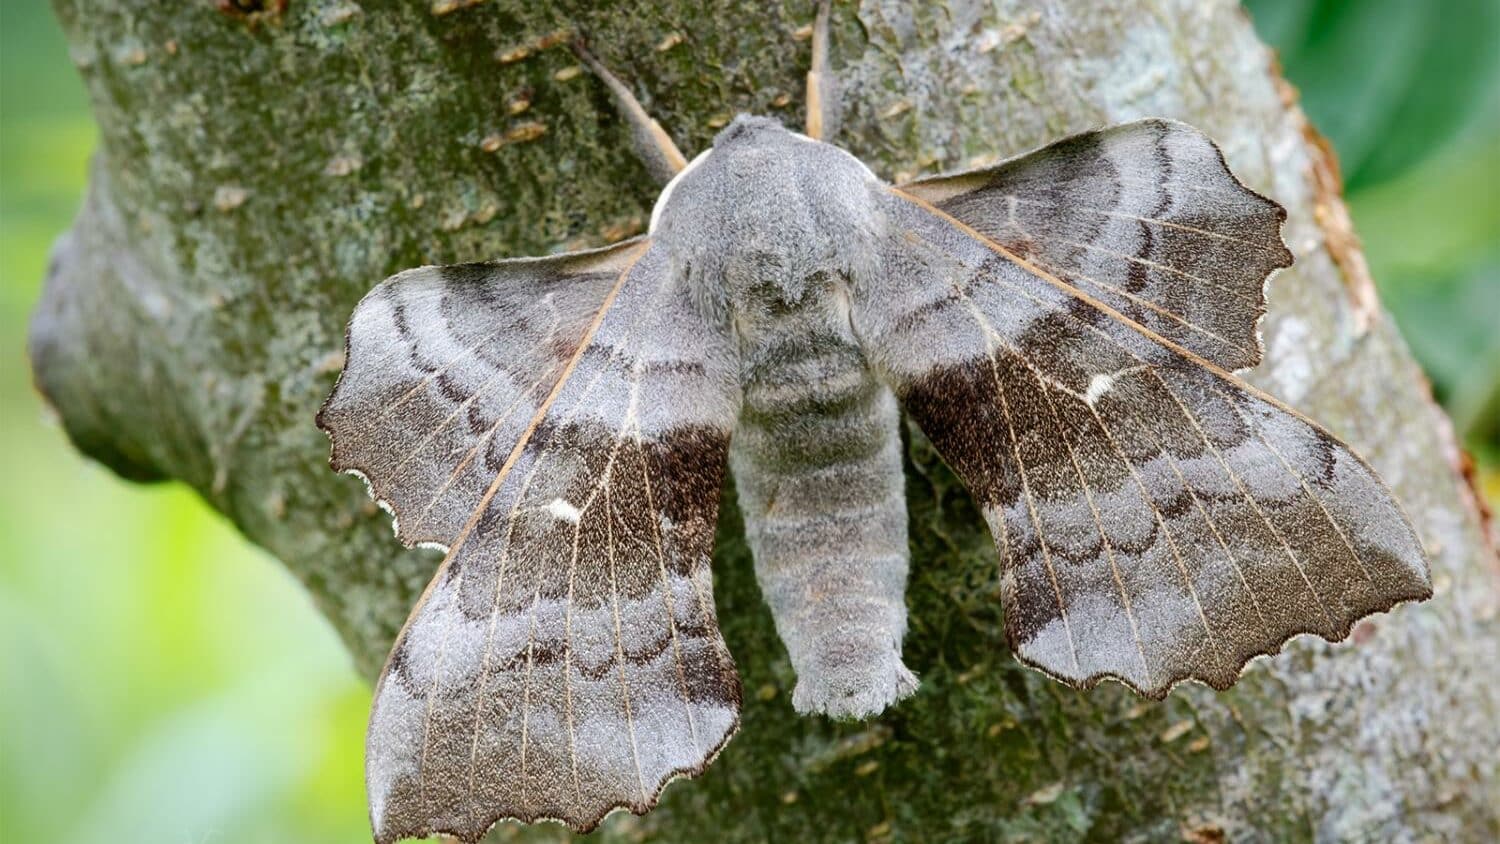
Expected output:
(1062, 326)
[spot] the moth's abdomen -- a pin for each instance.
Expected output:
(817, 462)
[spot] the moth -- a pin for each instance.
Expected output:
(1062, 326)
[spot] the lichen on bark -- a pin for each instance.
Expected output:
(257, 175)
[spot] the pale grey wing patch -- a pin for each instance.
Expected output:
(1157, 520)
(1144, 217)
(445, 367)
(567, 660)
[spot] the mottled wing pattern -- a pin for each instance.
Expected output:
(1157, 519)
(566, 660)
(445, 367)
(1143, 217)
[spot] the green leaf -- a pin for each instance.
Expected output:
(1389, 81)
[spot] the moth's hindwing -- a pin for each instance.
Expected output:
(562, 426)
(1143, 217)
(1157, 519)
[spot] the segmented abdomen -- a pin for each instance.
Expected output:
(817, 462)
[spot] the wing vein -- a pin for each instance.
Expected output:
(601, 486)
(489, 495)
(1171, 540)
(567, 673)
(1125, 181)
(1207, 518)
(615, 353)
(474, 450)
(1088, 495)
(666, 589)
(489, 642)
(1042, 384)
(1170, 314)
(1301, 480)
(1268, 249)
(614, 590)
(434, 374)
(1041, 536)
(1155, 265)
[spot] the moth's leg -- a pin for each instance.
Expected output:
(819, 79)
(817, 463)
(652, 143)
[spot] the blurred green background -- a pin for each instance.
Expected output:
(161, 680)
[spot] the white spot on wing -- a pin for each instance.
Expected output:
(564, 511)
(1098, 386)
(1104, 382)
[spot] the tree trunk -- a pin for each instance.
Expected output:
(258, 172)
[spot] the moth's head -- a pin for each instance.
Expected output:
(764, 211)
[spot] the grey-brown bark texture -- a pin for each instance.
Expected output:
(258, 174)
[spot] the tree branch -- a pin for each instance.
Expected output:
(258, 174)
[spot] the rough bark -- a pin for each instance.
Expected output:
(258, 173)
